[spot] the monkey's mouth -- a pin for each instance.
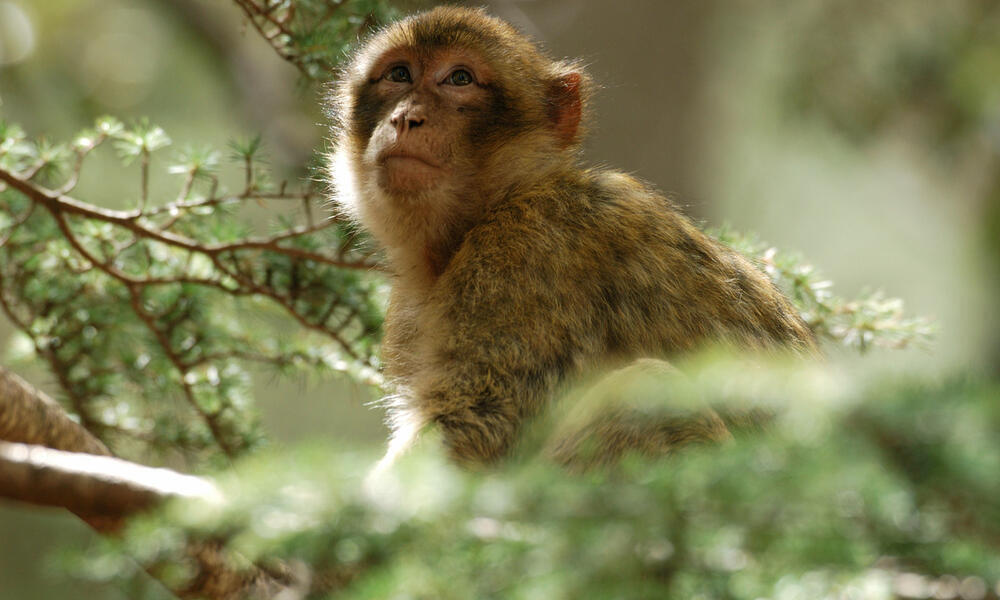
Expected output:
(405, 172)
(405, 160)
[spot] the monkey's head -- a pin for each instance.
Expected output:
(438, 113)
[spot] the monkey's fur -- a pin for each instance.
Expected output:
(514, 269)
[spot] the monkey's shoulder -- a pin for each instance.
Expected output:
(601, 198)
(559, 236)
(582, 216)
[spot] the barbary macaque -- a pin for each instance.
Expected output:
(514, 269)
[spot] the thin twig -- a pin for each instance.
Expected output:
(144, 191)
(251, 11)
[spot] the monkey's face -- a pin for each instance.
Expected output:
(440, 115)
(421, 108)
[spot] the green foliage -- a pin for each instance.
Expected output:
(845, 496)
(139, 141)
(148, 318)
(314, 35)
(871, 320)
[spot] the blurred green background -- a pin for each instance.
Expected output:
(864, 136)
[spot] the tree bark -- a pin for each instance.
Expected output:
(89, 485)
(29, 416)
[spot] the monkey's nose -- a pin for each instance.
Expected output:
(406, 123)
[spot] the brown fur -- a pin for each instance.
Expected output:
(514, 269)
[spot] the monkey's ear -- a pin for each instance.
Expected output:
(566, 107)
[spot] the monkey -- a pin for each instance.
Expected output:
(456, 145)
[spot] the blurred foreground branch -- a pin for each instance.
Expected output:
(867, 491)
(31, 417)
(90, 485)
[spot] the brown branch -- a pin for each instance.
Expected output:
(214, 200)
(287, 304)
(74, 178)
(278, 360)
(271, 243)
(107, 267)
(29, 416)
(64, 203)
(33, 170)
(185, 187)
(252, 12)
(90, 485)
(19, 221)
(130, 220)
(144, 182)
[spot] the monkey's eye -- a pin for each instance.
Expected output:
(399, 74)
(459, 77)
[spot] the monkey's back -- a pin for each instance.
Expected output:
(608, 268)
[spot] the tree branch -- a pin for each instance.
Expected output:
(81, 476)
(131, 220)
(90, 485)
(29, 416)
(104, 491)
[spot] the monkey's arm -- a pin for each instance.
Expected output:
(505, 331)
